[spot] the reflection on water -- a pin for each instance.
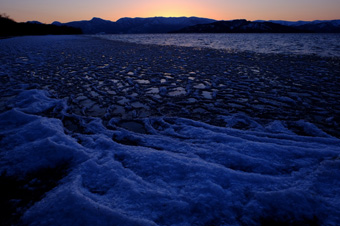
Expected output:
(319, 44)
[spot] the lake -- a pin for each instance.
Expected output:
(306, 44)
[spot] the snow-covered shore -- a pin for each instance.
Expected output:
(95, 132)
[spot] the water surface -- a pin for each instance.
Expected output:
(305, 44)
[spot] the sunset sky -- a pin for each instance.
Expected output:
(48, 11)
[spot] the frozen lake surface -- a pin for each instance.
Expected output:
(98, 132)
(318, 44)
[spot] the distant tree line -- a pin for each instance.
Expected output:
(9, 27)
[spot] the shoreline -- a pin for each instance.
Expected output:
(132, 81)
(95, 132)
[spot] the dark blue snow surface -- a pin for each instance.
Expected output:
(112, 133)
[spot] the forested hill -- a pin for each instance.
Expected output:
(9, 27)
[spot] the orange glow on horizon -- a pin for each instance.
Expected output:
(167, 9)
(75, 10)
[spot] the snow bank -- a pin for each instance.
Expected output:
(179, 172)
(31, 142)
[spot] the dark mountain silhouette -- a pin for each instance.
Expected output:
(165, 25)
(96, 25)
(136, 25)
(316, 26)
(199, 25)
(240, 26)
(11, 28)
(322, 27)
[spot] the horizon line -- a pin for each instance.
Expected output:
(96, 17)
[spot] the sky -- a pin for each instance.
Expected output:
(47, 11)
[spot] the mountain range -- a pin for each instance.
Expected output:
(196, 25)
(136, 25)
(199, 25)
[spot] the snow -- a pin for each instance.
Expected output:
(165, 170)
(33, 142)
(182, 172)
